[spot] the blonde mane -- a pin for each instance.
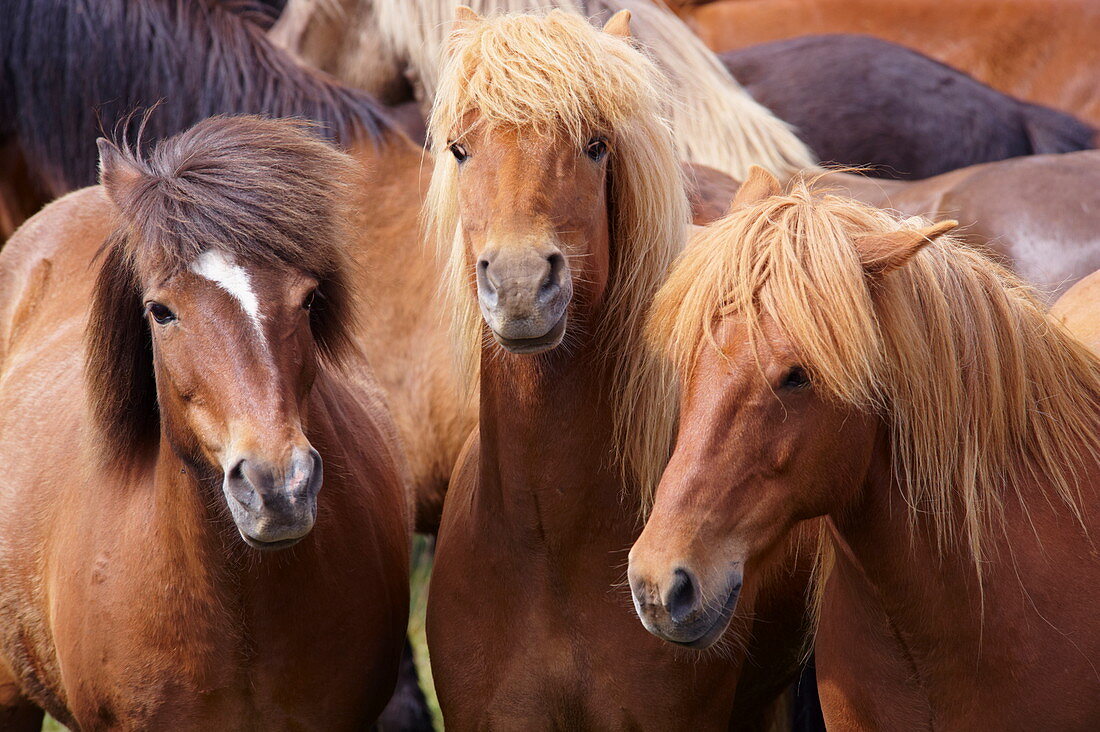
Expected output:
(982, 390)
(715, 121)
(558, 75)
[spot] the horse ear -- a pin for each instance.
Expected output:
(619, 24)
(465, 16)
(759, 185)
(117, 173)
(883, 253)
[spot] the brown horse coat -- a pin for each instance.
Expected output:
(127, 598)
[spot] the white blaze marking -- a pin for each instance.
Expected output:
(220, 269)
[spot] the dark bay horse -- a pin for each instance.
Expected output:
(862, 101)
(1036, 50)
(557, 193)
(172, 555)
(840, 362)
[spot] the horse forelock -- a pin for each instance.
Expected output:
(975, 403)
(559, 75)
(717, 122)
(265, 192)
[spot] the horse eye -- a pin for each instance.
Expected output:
(307, 303)
(160, 313)
(459, 152)
(796, 378)
(596, 149)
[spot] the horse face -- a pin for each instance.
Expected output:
(234, 360)
(533, 212)
(758, 450)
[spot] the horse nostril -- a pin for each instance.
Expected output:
(484, 276)
(683, 596)
(554, 276)
(236, 473)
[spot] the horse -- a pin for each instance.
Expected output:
(839, 362)
(1032, 213)
(132, 55)
(1076, 310)
(178, 369)
(557, 195)
(860, 101)
(1039, 51)
(392, 48)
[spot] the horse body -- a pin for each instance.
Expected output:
(528, 618)
(1031, 49)
(828, 373)
(862, 101)
(126, 597)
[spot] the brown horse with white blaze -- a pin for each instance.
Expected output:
(558, 194)
(839, 362)
(171, 554)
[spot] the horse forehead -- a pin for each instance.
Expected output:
(223, 270)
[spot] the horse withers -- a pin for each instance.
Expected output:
(203, 502)
(841, 363)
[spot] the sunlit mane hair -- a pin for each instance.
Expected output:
(715, 121)
(980, 388)
(265, 191)
(559, 75)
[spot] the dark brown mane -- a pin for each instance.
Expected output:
(265, 191)
(71, 69)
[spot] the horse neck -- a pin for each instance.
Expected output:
(892, 567)
(546, 441)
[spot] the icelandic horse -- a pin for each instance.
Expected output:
(203, 503)
(838, 362)
(558, 194)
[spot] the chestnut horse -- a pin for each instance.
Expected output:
(171, 556)
(1077, 309)
(392, 48)
(558, 194)
(841, 363)
(1042, 51)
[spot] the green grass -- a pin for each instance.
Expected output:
(421, 573)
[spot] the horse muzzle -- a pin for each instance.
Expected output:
(524, 297)
(673, 608)
(274, 504)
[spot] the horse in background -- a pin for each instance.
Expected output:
(1077, 309)
(171, 552)
(839, 362)
(861, 101)
(1036, 50)
(393, 49)
(557, 194)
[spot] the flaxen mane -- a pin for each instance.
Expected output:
(715, 122)
(69, 70)
(265, 191)
(559, 75)
(981, 389)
